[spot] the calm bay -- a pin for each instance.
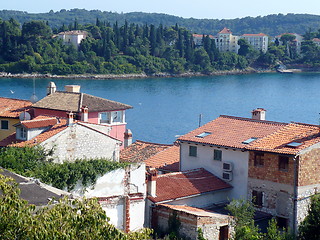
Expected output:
(166, 107)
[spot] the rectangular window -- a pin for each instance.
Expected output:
(104, 117)
(4, 124)
(258, 159)
(217, 155)
(111, 117)
(283, 163)
(21, 133)
(192, 151)
(257, 198)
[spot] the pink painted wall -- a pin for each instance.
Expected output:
(117, 131)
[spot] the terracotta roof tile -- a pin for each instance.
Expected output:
(167, 159)
(139, 151)
(305, 134)
(39, 122)
(189, 183)
(231, 131)
(13, 142)
(12, 108)
(72, 102)
(226, 30)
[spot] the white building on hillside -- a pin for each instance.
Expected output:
(258, 41)
(226, 42)
(73, 37)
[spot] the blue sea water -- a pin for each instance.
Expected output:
(166, 107)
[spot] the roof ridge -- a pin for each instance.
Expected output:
(159, 144)
(37, 120)
(254, 120)
(16, 99)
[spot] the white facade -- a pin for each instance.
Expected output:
(205, 159)
(226, 42)
(118, 191)
(73, 37)
(259, 42)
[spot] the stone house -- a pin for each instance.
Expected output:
(271, 163)
(86, 108)
(69, 139)
(10, 112)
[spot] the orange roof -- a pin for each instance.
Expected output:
(254, 35)
(167, 159)
(12, 108)
(172, 186)
(39, 122)
(316, 40)
(201, 35)
(13, 142)
(305, 135)
(139, 151)
(229, 131)
(225, 30)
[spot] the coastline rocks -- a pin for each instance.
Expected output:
(131, 76)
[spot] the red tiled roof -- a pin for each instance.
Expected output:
(139, 151)
(177, 185)
(254, 35)
(167, 159)
(316, 40)
(225, 30)
(305, 134)
(231, 131)
(12, 108)
(201, 35)
(39, 122)
(13, 142)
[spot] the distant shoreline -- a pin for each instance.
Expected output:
(131, 76)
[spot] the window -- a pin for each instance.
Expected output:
(257, 198)
(283, 163)
(4, 124)
(21, 133)
(258, 159)
(217, 155)
(111, 117)
(282, 223)
(192, 151)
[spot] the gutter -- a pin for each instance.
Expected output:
(295, 194)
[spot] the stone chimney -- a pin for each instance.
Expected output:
(127, 138)
(152, 183)
(72, 88)
(84, 114)
(259, 114)
(69, 119)
(51, 88)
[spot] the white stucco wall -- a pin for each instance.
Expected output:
(205, 160)
(81, 142)
(115, 185)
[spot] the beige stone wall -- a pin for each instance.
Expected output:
(80, 142)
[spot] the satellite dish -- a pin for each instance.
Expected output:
(24, 116)
(33, 98)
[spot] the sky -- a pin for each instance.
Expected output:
(211, 9)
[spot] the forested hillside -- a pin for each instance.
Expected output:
(271, 24)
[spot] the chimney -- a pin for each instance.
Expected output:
(127, 138)
(152, 183)
(84, 115)
(259, 114)
(70, 119)
(51, 88)
(72, 88)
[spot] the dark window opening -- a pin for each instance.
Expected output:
(258, 159)
(283, 163)
(217, 155)
(192, 151)
(282, 222)
(4, 124)
(257, 198)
